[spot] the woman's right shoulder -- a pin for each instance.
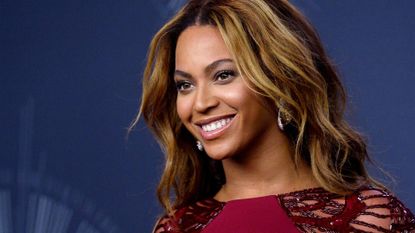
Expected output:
(193, 217)
(166, 224)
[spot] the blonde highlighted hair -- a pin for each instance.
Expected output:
(281, 58)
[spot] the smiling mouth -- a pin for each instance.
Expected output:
(219, 124)
(213, 129)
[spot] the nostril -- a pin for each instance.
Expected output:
(204, 102)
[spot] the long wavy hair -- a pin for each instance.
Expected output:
(280, 56)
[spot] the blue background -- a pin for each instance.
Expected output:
(78, 65)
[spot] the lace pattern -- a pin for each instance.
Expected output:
(368, 210)
(312, 211)
(192, 218)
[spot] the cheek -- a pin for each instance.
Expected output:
(184, 108)
(252, 107)
(238, 96)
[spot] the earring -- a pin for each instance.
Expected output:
(199, 145)
(283, 117)
(280, 124)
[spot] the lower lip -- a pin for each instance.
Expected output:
(215, 133)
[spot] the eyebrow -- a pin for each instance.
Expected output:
(207, 70)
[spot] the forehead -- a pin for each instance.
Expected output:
(200, 45)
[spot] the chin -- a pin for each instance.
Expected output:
(219, 153)
(218, 157)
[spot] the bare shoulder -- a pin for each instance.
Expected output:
(383, 212)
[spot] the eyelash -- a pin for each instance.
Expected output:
(180, 84)
(228, 73)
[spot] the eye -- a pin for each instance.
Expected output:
(224, 75)
(183, 85)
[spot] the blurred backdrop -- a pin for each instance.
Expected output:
(70, 85)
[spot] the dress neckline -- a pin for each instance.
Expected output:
(315, 190)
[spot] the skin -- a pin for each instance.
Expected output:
(256, 154)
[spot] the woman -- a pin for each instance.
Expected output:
(249, 111)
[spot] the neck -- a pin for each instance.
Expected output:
(266, 170)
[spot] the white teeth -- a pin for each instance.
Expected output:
(216, 124)
(213, 126)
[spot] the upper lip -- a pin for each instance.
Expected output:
(212, 119)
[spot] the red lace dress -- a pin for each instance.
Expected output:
(311, 210)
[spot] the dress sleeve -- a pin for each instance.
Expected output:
(383, 213)
(190, 218)
(165, 225)
(402, 218)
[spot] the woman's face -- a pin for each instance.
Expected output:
(213, 102)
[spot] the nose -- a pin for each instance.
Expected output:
(205, 99)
